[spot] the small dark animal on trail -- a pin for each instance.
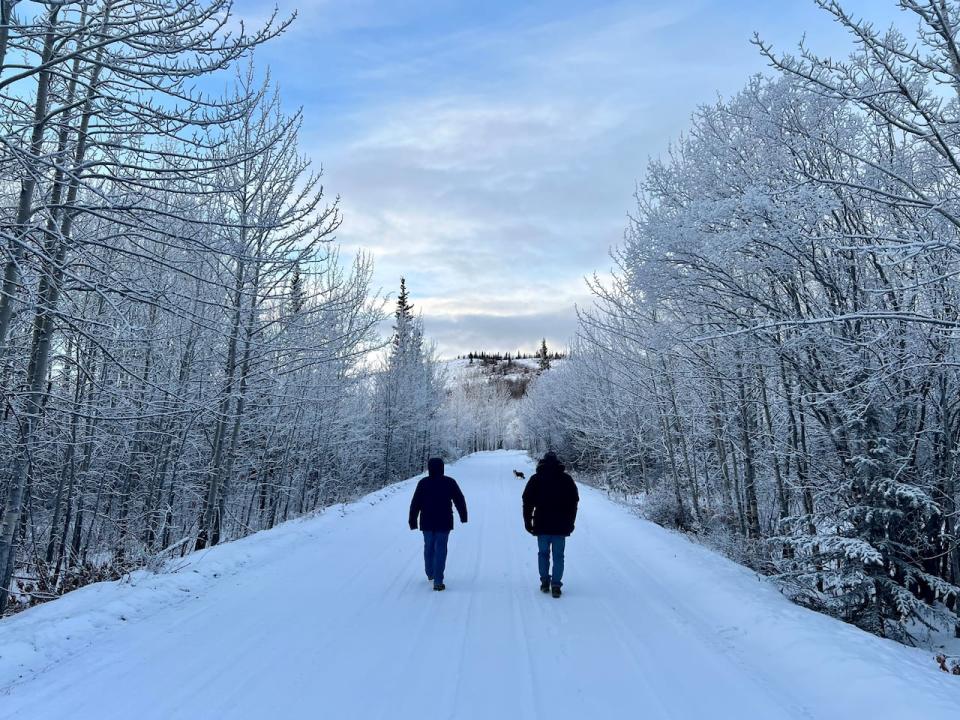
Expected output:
(519, 474)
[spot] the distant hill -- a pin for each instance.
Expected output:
(510, 372)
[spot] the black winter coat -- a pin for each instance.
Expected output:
(550, 501)
(433, 499)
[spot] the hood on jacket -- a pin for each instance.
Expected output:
(550, 463)
(435, 467)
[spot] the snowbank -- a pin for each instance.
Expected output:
(49, 634)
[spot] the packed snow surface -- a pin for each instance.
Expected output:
(332, 617)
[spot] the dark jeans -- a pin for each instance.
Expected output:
(435, 553)
(557, 543)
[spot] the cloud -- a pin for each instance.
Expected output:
(488, 152)
(464, 333)
(485, 204)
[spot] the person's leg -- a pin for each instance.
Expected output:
(543, 557)
(559, 543)
(429, 542)
(440, 556)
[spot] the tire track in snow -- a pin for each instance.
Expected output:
(698, 634)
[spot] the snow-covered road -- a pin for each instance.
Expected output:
(332, 617)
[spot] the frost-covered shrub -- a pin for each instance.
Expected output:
(725, 539)
(661, 506)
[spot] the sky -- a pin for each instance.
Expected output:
(489, 151)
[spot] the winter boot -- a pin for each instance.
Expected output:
(545, 585)
(439, 586)
(555, 590)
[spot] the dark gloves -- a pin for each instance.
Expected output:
(413, 525)
(528, 524)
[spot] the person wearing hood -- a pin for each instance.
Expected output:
(432, 505)
(549, 511)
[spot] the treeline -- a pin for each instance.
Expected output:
(492, 358)
(775, 362)
(183, 357)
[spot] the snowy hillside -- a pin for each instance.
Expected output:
(514, 369)
(331, 617)
(482, 407)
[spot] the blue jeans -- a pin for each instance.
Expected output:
(435, 554)
(557, 543)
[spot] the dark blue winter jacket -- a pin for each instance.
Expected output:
(433, 500)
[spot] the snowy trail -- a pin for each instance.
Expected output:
(334, 619)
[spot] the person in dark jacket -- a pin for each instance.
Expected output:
(432, 504)
(549, 511)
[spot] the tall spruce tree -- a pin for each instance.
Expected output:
(409, 392)
(544, 355)
(297, 291)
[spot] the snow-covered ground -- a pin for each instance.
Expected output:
(332, 617)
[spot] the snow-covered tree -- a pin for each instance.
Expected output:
(183, 354)
(409, 393)
(543, 355)
(774, 359)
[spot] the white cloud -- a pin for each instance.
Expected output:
(491, 158)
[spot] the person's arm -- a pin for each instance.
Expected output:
(415, 506)
(575, 502)
(528, 505)
(458, 500)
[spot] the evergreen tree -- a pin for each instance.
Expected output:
(297, 296)
(403, 314)
(410, 391)
(407, 332)
(544, 356)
